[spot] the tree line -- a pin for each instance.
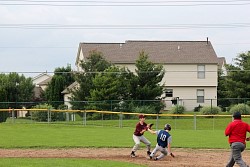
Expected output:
(102, 83)
(234, 88)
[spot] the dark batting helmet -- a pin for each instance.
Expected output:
(167, 127)
(237, 115)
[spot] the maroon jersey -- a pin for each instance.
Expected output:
(139, 128)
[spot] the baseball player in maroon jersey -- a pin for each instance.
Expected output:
(138, 137)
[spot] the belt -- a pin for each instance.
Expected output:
(161, 146)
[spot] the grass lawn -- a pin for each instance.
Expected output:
(36, 135)
(61, 162)
(73, 136)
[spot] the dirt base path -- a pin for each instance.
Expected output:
(184, 157)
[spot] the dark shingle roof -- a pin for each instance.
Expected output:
(191, 52)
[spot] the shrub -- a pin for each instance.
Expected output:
(242, 108)
(102, 116)
(3, 116)
(210, 110)
(248, 103)
(43, 115)
(144, 109)
(177, 109)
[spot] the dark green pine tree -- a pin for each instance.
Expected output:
(61, 79)
(147, 83)
(95, 63)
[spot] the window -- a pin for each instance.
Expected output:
(200, 95)
(201, 71)
(169, 92)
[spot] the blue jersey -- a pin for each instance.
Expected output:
(163, 138)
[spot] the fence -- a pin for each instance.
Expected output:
(119, 119)
(123, 105)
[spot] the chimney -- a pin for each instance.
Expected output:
(207, 40)
(120, 45)
(179, 47)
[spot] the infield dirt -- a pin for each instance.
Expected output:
(183, 157)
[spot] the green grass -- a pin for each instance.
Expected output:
(23, 134)
(182, 122)
(61, 162)
(75, 136)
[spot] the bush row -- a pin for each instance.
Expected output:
(207, 110)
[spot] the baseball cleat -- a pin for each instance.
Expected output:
(132, 155)
(148, 153)
(156, 159)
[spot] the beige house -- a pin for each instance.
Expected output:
(41, 82)
(190, 67)
(67, 95)
(222, 65)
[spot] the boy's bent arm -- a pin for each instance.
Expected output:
(228, 130)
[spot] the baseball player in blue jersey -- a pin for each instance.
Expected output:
(163, 145)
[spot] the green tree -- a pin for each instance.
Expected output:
(238, 79)
(94, 64)
(111, 85)
(15, 89)
(62, 78)
(147, 86)
(222, 92)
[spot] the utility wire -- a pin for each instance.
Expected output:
(106, 72)
(107, 1)
(70, 47)
(116, 26)
(123, 3)
(36, 47)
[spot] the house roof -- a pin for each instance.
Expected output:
(45, 82)
(70, 87)
(173, 52)
(41, 75)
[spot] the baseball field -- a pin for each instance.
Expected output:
(62, 145)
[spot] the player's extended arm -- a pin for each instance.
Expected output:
(151, 131)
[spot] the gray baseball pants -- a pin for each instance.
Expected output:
(137, 140)
(161, 149)
(236, 149)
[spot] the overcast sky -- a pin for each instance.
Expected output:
(38, 36)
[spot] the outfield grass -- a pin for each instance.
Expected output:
(75, 136)
(181, 122)
(61, 162)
